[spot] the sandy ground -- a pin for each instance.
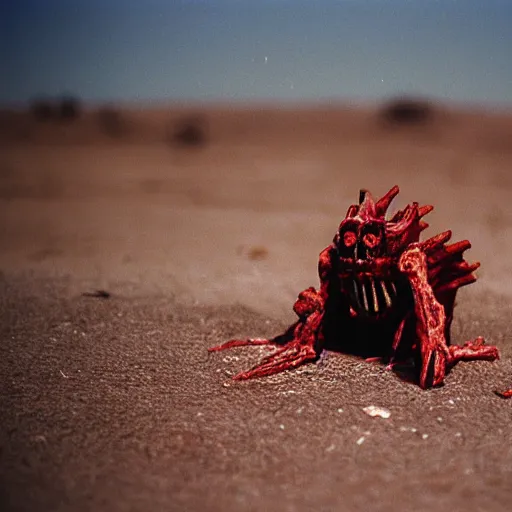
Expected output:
(114, 404)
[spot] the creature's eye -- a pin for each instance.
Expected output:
(371, 240)
(349, 238)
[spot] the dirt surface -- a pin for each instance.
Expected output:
(115, 404)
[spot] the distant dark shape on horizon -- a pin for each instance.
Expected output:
(189, 132)
(111, 121)
(43, 110)
(407, 112)
(70, 108)
(67, 108)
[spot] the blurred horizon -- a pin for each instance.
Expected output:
(277, 51)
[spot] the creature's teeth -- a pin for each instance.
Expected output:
(365, 298)
(374, 295)
(356, 294)
(387, 298)
(393, 287)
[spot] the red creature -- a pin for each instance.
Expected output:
(383, 294)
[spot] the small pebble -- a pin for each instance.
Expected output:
(373, 410)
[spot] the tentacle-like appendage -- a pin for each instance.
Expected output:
(382, 205)
(404, 228)
(441, 276)
(302, 341)
(424, 210)
(430, 245)
(455, 284)
(447, 269)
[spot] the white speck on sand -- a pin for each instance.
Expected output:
(374, 411)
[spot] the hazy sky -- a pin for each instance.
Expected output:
(256, 49)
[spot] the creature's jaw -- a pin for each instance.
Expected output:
(370, 297)
(370, 286)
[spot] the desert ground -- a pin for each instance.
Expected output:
(203, 222)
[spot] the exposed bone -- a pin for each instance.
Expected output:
(358, 300)
(387, 298)
(374, 294)
(365, 299)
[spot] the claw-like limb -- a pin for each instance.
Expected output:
(430, 319)
(436, 355)
(301, 342)
(240, 343)
(253, 342)
(473, 351)
(290, 356)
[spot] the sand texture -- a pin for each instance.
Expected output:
(203, 224)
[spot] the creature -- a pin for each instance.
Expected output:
(383, 295)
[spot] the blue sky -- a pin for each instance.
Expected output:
(104, 50)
